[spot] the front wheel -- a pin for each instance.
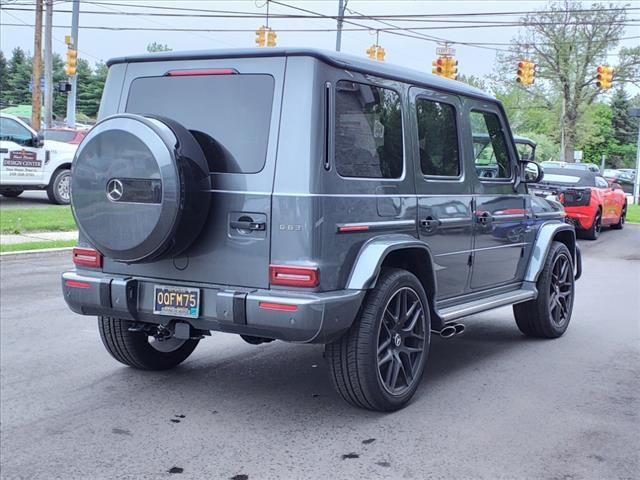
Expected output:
(548, 316)
(59, 189)
(621, 220)
(139, 350)
(379, 362)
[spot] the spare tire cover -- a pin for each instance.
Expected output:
(140, 188)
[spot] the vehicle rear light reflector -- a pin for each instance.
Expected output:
(87, 257)
(561, 198)
(293, 276)
(278, 306)
(353, 228)
(76, 284)
(202, 71)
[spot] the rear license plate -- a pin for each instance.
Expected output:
(176, 301)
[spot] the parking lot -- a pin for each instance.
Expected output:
(492, 404)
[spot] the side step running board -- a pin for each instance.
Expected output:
(452, 313)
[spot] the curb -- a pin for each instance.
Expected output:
(40, 250)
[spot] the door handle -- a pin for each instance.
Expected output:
(430, 223)
(484, 219)
(245, 225)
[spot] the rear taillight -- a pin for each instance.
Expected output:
(561, 198)
(576, 198)
(87, 257)
(294, 276)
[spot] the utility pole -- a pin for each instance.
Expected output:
(71, 96)
(37, 68)
(48, 66)
(342, 4)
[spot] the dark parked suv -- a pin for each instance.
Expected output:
(309, 197)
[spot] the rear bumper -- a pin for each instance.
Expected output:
(317, 318)
(580, 217)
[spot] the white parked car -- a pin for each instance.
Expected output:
(28, 162)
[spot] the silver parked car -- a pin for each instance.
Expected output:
(311, 197)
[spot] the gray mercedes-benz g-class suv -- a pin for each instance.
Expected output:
(312, 197)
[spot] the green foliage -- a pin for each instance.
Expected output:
(633, 213)
(16, 73)
(158, 47)
(22, 247)
(625, 127)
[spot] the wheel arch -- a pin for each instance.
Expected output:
(400, 251)
(548, 233)
(62, 166)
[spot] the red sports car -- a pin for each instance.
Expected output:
(590, 202)
(72, 136)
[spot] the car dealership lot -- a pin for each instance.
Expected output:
(492, 404)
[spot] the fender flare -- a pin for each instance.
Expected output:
(367, 266)
(547, 233)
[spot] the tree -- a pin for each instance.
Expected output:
(625, 128)
(473, 81)
(567, 42)
(158, 47)
(16, 87)
(4, 72)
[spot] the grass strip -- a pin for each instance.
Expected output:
(47, 219)
(633, 213)
(19, 247)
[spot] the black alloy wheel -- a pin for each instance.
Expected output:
(561, 290)
(401, 341)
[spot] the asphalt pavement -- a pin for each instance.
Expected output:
(492, 403)
(30, 199)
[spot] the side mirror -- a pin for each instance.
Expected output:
(38, 141)
(532, 172)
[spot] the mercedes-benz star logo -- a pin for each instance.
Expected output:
(115, 190)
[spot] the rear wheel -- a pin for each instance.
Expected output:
(11, 193)
(379, 362)
(596, 227)
(622, 219)
(59, 189)
(548, 316)
(139, 350)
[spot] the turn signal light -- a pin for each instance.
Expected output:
(87, 257)
(294, 276)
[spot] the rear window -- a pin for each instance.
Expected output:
(229, 115)
(59, 135)
(368, 131)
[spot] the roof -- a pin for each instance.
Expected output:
(337, 59)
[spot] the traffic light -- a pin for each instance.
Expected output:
(445, 66)
(605, 77)
(271, 38)
(526, 72)
(261, 36)
(72, 62)
(376, 52)
(265, 37)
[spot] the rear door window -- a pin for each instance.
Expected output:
(368, 131)
(229, 115)
(437, 138)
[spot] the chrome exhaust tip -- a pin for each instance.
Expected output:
(459, 328)
(447, 331)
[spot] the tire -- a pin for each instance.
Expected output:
(596, 227)
(135, 349)
(59, 188)
(147, 175)
(11, 193)
(356, 367)
(542, 317)
(622, 219)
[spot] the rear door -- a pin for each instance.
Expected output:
(445, 214)
(500, 233)
(232, 108)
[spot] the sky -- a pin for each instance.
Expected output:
(100, 45)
